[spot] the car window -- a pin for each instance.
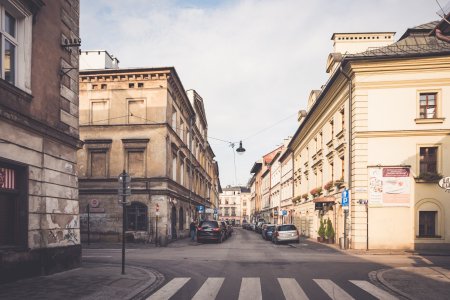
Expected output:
(270, 228)
(286, 227)
(209, 224)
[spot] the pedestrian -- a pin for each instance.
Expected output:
(192, 229)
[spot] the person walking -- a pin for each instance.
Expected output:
(192, 228)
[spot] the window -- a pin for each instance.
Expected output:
(104, 86)
(136, 111)
(428, 160)
(13, 206)
(427, 223)
(174, 166)
(174, 119)
(137, 217)
(131, 85)
(15, 45)
(182, 172)
(98, 163)
(99, 112)
(140, 84)
(135, 163)
(427, 105)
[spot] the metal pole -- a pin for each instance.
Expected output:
(367, 226)
(345, 228)
(156, 233)
(88, 225)
(124, 215)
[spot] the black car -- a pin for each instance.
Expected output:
(210, 231)
(228, 229)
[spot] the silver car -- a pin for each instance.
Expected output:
(285, 233)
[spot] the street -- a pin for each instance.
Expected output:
(247, 267)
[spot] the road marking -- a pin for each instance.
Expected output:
(332, 289)
(169, 289)
(373, 290)
(209, 289)
(427, 261)
(291, 289)
(94, 256)
(250, 289)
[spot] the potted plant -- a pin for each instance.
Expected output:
(428, 177)
(305, 196)
(329, 232)
(321, 232)
(328, 186)
(338, 183)
(316, 191)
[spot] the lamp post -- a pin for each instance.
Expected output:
(124, 190)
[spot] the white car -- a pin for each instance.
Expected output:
(285, 233)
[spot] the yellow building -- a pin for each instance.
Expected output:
(141, 120)
(380, 128)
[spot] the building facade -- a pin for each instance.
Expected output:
(379, 130)
(39, 212)
(231, 207)
(142, 121)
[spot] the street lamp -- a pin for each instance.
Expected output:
(240, 150)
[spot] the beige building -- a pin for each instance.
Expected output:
(234, 203)
(380, 128)
(142, 121)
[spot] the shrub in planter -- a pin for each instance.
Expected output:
(305, 196)
(329, 232)
(321, 231)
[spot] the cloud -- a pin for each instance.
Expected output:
(254, 62)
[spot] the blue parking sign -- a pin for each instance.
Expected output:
(345, 197)
(200, 208)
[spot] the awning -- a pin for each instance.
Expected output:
(324, 199)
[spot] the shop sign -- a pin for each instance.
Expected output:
(445, 183)
(389, 186)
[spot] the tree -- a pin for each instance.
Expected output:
(321, 231)
(330, 231)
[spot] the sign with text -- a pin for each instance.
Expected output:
(345, 198)
(389, 186)
(445, 183)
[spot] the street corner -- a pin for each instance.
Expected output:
(416, 282)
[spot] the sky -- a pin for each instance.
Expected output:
(254, 62)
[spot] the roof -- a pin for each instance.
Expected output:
(414, 42)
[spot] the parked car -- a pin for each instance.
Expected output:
(252, 226)
(210, 231)
(263, 227)
(258, 226)
(228, 229)
(268, 232)
(246, 225)
(285, 233)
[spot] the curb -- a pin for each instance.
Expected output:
(387, 285)
(148, 288)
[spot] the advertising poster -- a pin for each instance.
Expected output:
(389, 186)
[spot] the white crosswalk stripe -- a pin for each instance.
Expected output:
(250, 289)
(291, 289)
(209, 289)
(373, 290)
(333, 290)
(169, 289)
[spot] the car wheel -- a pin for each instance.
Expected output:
(297, 241)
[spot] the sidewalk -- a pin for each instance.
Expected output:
(92, 281)
(417, 282)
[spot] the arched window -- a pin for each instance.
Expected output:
(181, 221)
(137, 218)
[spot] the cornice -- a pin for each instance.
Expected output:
(402, 133)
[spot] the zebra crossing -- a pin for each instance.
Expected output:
(250, 289)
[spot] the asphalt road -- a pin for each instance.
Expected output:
(247, 267)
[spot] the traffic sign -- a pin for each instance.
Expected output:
(345, 198)
(209, 210)
(284, 212)
(200, 208)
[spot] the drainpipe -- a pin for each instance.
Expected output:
(350, 145)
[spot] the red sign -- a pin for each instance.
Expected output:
(7, 179)
(395, 172)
